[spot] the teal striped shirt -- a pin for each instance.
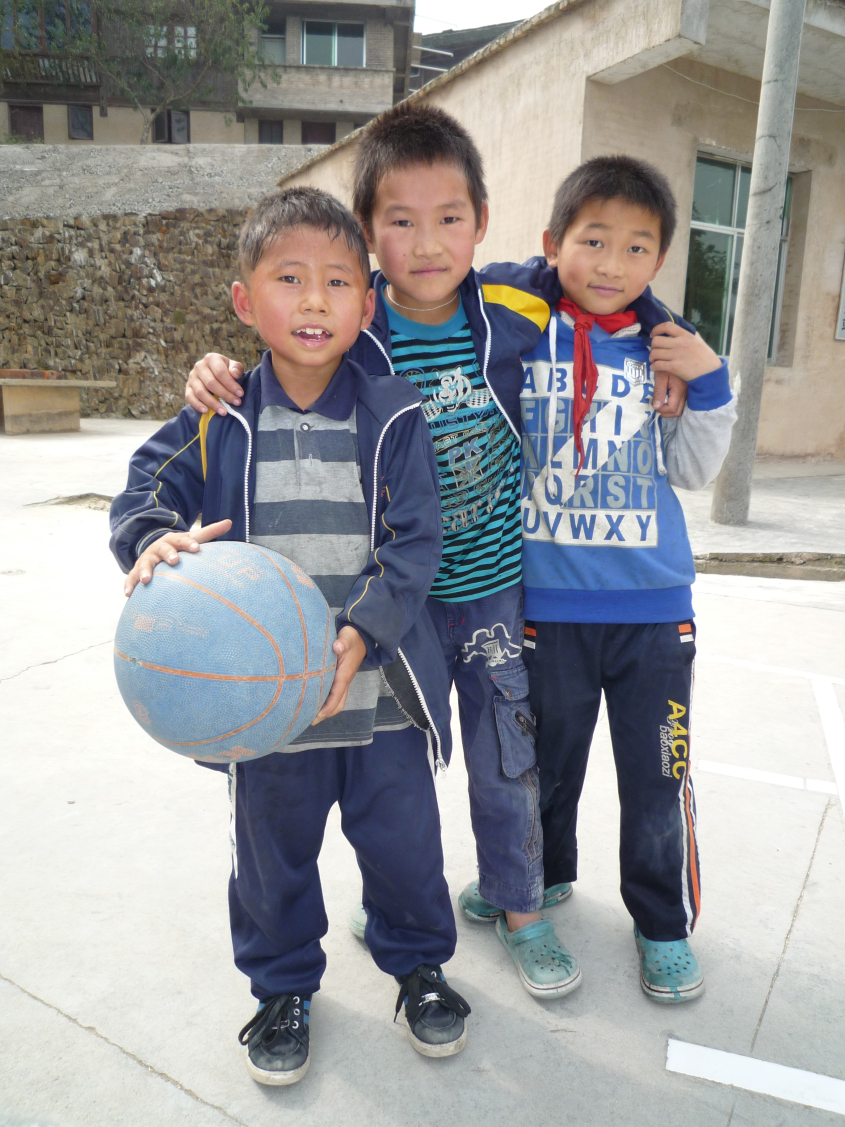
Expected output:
(477, 457)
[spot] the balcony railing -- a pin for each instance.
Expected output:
(54, 70)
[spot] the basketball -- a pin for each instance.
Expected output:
(227, 655)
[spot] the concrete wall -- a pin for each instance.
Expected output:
(66, 182)
(324, 92)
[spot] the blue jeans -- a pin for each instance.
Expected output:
(482, 645)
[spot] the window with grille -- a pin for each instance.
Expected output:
(42, 25)
(717, 233)
(179, 38)
(271, 132)
(80, 123)
(333, 44)
(27, 122)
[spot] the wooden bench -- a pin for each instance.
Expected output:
(33, 401)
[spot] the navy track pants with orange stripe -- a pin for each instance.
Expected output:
(645, 671)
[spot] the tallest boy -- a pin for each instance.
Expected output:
(420, 196)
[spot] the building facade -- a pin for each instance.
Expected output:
(676, 82)
(326, 69)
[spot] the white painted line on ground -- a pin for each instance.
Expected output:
(780, 670)
(811, 1089)
(833, 725)
(770, 777)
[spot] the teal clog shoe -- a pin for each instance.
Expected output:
(481, 911)
(669, 972)
(357, 921)
(545, 967)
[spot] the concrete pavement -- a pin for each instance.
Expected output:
(119, 1003)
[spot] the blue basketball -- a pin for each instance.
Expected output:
(226, 656)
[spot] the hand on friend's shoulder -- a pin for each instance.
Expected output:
(677, 352)
(213, 378)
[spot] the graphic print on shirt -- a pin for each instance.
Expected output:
(477, 460)
(613, 501)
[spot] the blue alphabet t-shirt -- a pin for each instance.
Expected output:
(477, 457)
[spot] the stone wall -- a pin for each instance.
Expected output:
(134, 298)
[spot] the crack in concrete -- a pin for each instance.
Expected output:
(791, 926)
(55, 660)
(126, 1052)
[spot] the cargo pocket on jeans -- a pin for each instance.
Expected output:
(515, 722)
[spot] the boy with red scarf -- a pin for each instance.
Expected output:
(607, 564)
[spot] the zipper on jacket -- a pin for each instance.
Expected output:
(383, 351)
(245, 425)
(487, 349)
(441, 762)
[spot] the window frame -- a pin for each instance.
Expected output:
(273, 37)
(735, 234)
(334, 25)
(70, 133)
(179, 38)
(165, 118)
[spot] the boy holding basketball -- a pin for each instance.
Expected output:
(335, 470)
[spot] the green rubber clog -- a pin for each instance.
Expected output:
(545, 967)
(669, 972)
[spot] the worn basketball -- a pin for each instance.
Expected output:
(227, 655)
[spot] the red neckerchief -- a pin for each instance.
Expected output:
(585, 374)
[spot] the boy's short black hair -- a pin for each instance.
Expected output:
(290, 210)
(408, 134)
(615, 178)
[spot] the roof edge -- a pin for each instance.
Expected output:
(486, 52)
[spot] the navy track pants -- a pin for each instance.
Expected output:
(388, 813)
(645, 671)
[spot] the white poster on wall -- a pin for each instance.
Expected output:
(840, 320)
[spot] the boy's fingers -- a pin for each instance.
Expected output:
(661, 385)
(194, 402)
(669, 329)
(220, 376)
(211, 531)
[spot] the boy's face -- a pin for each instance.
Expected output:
(424, 232)
(308, 299)
(608, 256)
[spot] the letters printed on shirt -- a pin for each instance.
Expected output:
(613, 500)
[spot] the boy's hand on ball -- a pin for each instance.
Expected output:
(681, 353)
(214, 376)
(167, 549)
(351, 651)
(670, 395)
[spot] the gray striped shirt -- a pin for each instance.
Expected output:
(309, 506)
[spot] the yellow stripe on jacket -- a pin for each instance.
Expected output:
(528, 305)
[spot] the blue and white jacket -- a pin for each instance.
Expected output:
(612, 545)
(204, 464)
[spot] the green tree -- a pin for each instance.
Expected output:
(155, 54)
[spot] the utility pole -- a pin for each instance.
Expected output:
(757, 275)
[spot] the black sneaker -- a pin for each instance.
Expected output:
(434, 1012)
(276, 1040)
